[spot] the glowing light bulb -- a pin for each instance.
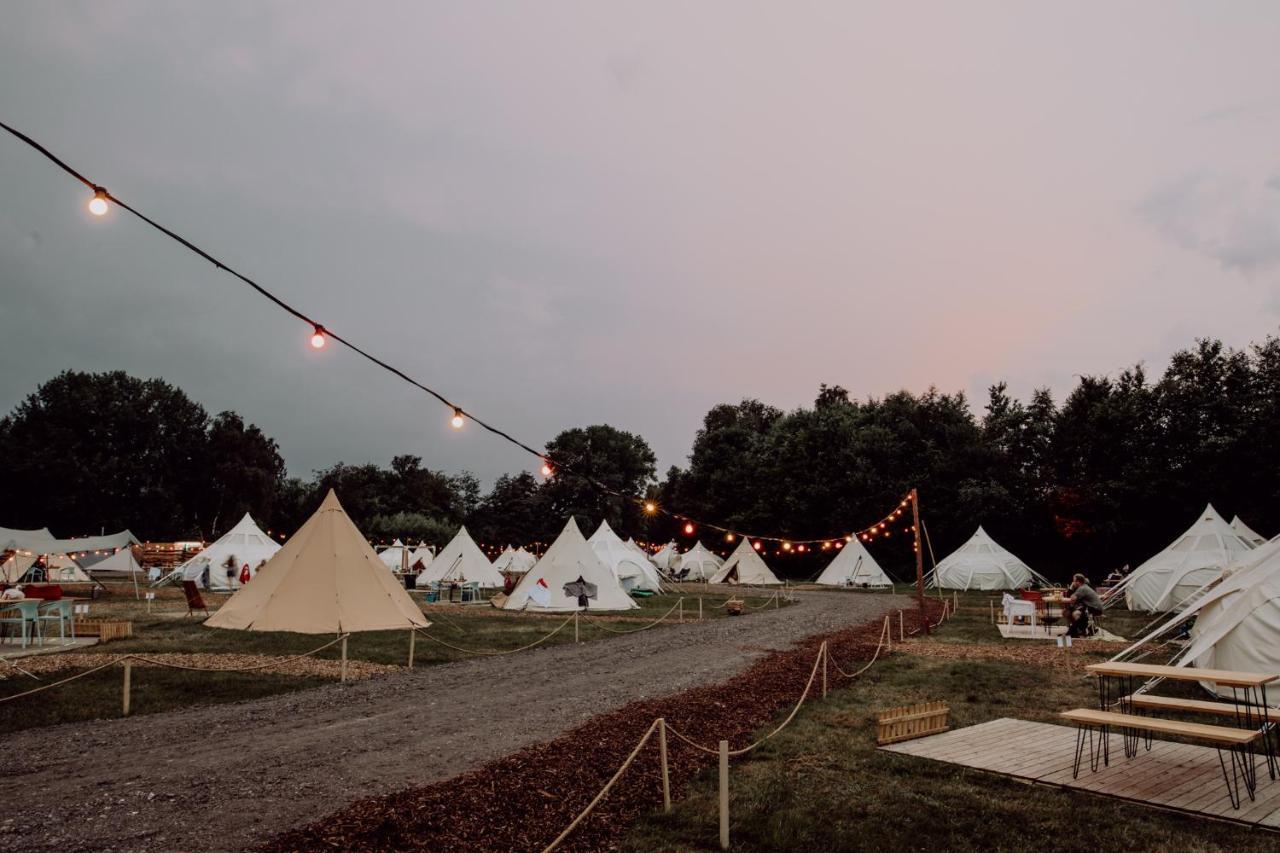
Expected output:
(786, 546)
(688, 529)
(728, 537)
(318, 339)
(98, 204)
(457, 420)
(759, 546)
(546, 469)
(650, 507)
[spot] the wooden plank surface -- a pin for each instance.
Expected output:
(1180, 776)
(1184, 673)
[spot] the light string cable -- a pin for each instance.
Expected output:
(98, 206)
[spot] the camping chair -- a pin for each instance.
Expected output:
(61, 611)
(28, 617)
(469, 591)
(194, 600)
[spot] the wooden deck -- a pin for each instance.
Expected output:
(1175, 776)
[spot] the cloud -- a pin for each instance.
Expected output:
(1231, 219)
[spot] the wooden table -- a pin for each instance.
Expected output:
(1248, 695)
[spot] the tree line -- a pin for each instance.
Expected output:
(1107, 476)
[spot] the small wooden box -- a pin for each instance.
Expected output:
(104, 629)
(733, 607)
(911, 721)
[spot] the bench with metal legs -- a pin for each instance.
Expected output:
(1236, 742)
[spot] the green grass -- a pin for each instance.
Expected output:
(823, 785)
(156, 689)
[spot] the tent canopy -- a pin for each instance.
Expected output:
(461, 561)
(665, 557)
(395, 556)
(1194, 559)
(854, 566)
(982, 563)
(568, 559)
(515, 561)
(701, 563)
(745, 566)
(42, 542)
(1246, 532)
(325, 580)
(631, 569)
(244, 544)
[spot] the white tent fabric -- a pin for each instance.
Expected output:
(243, 544)
(701, 563)
(744, 566)
(633, 545)
(62, 569)
(854, 566)
(568, 558)
(15, 566)
(632, 570)
(394, 556)
(42, 542)
(514, 561)
(423, 554)
(325, 580)
(982, 563)
(121, 562)
(665, 557)
(461, 561)
(1194, 559)
(1246, 532)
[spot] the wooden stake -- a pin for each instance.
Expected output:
(824, 670)
(680, 604)
(915, 521)
(902, 629)
(575, 627)
(128, 685)
(724, 795)
(413, 636)
(699, 608)
(777, 604)
(888, 635)
(343, 677)
(662, 758)
(992, 602)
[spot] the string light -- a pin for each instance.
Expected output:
(98, 204)
(688, 528)
(650, 507)
(317, 339)
(786, 546)
(728, 537)
(546, 469)
(457, 420)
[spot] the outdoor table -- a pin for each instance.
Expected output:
(1248, 695)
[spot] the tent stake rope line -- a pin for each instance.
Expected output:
(557, 630)
(122, 659)
(661, 725)
(635, 630)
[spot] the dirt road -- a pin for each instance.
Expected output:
(227, 776)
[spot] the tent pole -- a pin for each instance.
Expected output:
(915, 517)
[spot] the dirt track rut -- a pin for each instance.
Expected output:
(227, 776)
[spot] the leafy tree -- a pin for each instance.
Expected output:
(585, 458)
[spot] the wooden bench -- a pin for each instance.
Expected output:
(1236, 741)
(1200, 706)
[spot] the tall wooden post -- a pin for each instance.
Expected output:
(125, 701)
(824, 654)
(915, 524)
(343, 675)
(724, 795)
(413, 635)
(662, 755)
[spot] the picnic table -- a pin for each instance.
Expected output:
(1124, 703)
(30, 614)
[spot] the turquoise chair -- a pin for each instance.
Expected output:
(28, 610)
(63, 612)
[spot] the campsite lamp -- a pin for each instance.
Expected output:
(98, 204)
(318, 339)
(457, 420)
(650, 507)
(688, 528)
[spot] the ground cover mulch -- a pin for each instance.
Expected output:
(1035, 654)
(311, 666)
(523, 801)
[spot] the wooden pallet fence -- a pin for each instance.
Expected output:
(104, 629)
(911, 721)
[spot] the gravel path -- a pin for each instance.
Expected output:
(227, 776)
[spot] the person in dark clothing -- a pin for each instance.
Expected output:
(1083, 602)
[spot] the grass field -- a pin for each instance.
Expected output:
(822, 785)
(166, 630)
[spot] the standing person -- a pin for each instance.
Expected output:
(244, 574)
(1081, 603)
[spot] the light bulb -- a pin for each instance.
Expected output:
(688, 529)
(759, 546)
(98, 204)
(728, 537)
(318, 339)
(650, 507)
(457, 420)
(546, 469)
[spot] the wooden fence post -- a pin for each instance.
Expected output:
(699, 608)
(724, 795)
(680, 604)
(575, 627)
(902, 635)
(128, 684)
(888, 635)
(825, 653)
(343, 676)
(413, 635)
(662, 756)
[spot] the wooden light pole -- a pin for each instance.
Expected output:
(915, 525)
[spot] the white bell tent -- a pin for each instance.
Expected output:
(701, 563)
(423, 554)
(665, 557)
(325, 580)
(982, 563)
(120, 562)
(15, 566)
(395, 556)
(568, 560)
(244, 544)
(461, 561)
(1191, 561)
(631, 570)
(854, 566)
(514, 561)
(1246, 532)
(634, 546)
(745, 566)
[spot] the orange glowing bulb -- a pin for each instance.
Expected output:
(457, 420)
(318, 339)
(98, 204)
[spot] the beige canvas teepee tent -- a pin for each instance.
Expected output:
(854, 566)
(461, 561)
(325, 580)
(568, 560)
(745, 566)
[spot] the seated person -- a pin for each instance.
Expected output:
(1081, 602)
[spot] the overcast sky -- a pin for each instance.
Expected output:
(564, 214)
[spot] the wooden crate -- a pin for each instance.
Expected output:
(911, 721)
(104, 629)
